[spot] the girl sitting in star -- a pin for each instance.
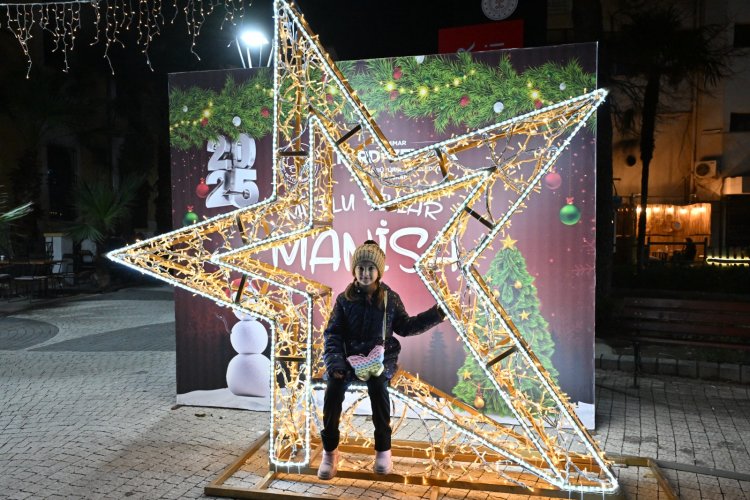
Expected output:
(356, 327)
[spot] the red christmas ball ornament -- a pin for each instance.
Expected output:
(538, 103)
(397, 73)
(204, 121)
(393, 95)
(202, 188)
(464, 101)
(553, 180)
(329, 98)
(265, 113)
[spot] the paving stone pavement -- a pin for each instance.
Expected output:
(86, 411)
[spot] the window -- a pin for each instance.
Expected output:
(739, 122)
(741, 35)
(60, 180)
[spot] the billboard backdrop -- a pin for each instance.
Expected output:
(542, 268)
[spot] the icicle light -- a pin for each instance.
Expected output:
(62, 21)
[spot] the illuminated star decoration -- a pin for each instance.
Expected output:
(319, 120)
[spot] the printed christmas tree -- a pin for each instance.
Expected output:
(514, 288)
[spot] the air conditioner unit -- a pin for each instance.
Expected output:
(704, 169)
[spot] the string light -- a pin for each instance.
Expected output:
(727, 260)
(62, 21)
(309, 135)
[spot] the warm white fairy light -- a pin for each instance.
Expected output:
(62, 20)
(431, 413)
(718, 260)
(501, 224)
(478, 438)
(302, 185)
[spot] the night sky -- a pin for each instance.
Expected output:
(368, 29)
(361, 29)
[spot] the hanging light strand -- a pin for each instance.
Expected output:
(62, 21)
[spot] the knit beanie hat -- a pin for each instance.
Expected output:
(369, 251)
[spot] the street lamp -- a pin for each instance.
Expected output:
(252, 39)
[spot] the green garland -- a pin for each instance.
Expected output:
(462, 92)
(453, 91)
(197, 115)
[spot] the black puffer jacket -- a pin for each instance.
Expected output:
(356, 326)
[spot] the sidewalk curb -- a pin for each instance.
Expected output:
(704, 370)
(10, 308)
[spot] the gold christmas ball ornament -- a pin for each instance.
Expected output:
(478, 402)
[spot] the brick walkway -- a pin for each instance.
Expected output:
(87, 390)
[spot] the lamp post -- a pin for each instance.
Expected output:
(252, 39)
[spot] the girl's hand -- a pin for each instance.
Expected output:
(338, 374)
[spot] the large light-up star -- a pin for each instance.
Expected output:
(319, 121)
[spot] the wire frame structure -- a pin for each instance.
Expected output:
(320, 122)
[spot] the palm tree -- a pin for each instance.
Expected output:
(14, 213)
(657, 55)
(6, 218)
(101, 210)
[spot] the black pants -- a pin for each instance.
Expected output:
(377, 388)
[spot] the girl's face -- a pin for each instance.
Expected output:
(366, 273)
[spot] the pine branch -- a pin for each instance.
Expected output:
(454, 91)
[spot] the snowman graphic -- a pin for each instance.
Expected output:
(249, 372)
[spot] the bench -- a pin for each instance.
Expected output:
(686, 322)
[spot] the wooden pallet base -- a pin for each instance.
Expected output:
(261, 490)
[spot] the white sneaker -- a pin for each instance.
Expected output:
(383, 463)
(328, 464)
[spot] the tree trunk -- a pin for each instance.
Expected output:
(648, 130)
(101, 267)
